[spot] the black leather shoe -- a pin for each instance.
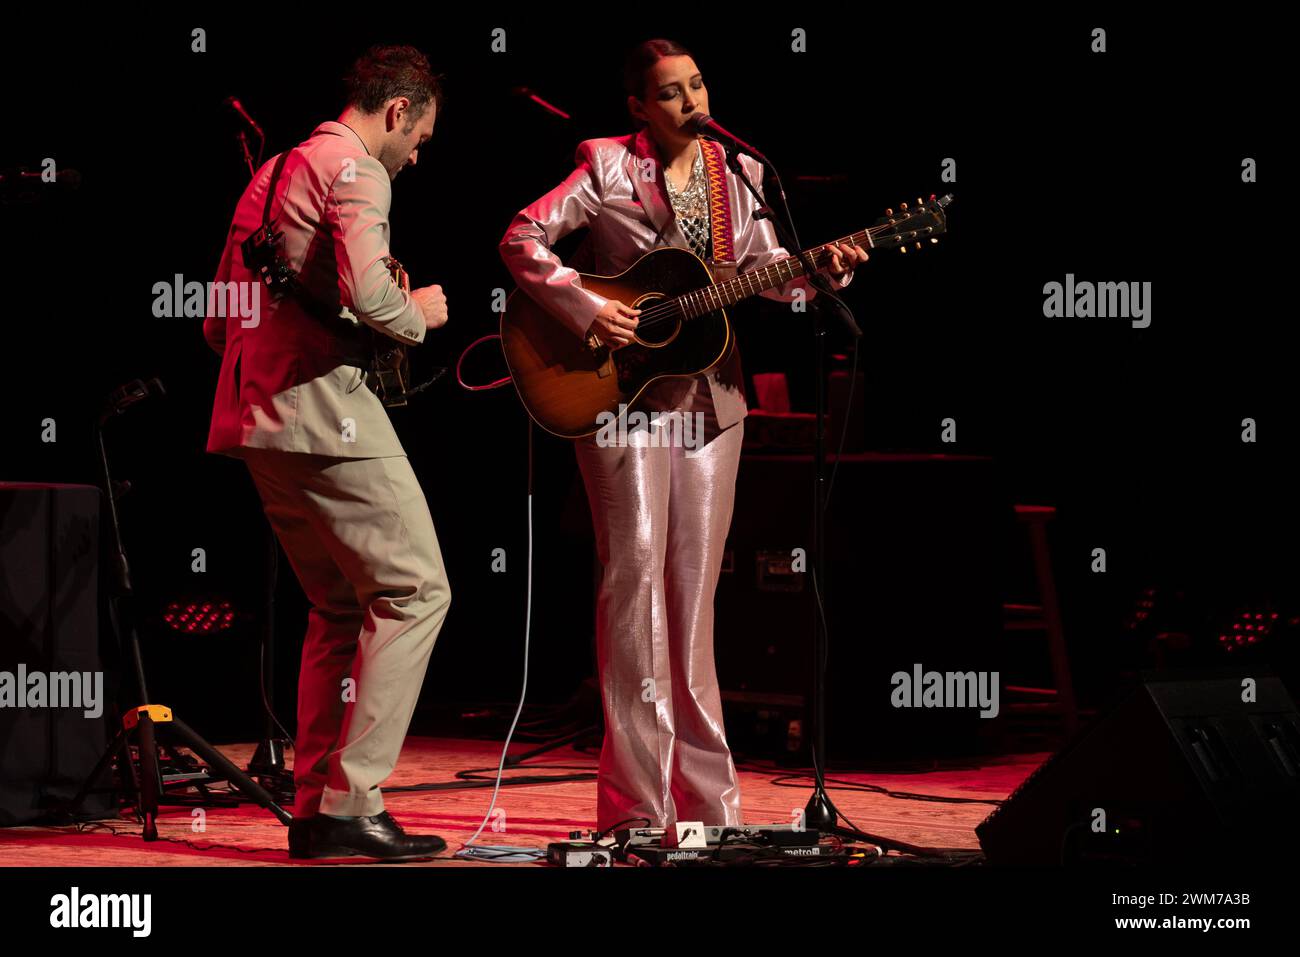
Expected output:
(379, 836)
(300, 836)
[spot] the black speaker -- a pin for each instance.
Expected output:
(1185, 770)
(49, 636)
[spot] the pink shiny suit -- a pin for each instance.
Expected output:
(660, 512)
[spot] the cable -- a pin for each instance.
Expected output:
(490, 385)
(470, 781)
(502, 853)
(261, 684)
(614, 827)
(887, 767)
(844, 430)
(840, 785)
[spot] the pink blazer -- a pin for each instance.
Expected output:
(617, 192)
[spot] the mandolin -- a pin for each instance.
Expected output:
(389, 375)
(568, 383)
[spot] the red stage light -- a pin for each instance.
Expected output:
(204, 617)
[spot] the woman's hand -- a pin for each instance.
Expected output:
(844, 258)
(615, 324)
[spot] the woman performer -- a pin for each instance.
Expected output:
(660, 511)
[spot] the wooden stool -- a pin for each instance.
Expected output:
(1045, 617)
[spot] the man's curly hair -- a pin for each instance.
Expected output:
(384, 72)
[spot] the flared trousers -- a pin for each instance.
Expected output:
(661, 515)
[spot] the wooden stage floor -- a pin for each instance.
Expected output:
(533, 814)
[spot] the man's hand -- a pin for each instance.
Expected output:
(615, 324)
(433, 304)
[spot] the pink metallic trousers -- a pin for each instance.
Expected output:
(661, 516)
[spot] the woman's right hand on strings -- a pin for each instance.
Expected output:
(614, 324)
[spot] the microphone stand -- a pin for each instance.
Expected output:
(149, 724)
(247, 154)
(267, 763)
(820, 812)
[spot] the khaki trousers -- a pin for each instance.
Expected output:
(360, 539)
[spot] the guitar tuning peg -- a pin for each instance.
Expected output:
(933, 240)
(889, 212)
(920, 201)
(918, 245)
(902, 249)
(902, 205)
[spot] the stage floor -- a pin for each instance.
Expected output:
(533, 814)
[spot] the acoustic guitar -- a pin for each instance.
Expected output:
(566, 382)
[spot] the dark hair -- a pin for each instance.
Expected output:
(642, 57)
(384, 72)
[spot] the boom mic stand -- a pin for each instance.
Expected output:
(150, 723)
(820, 812)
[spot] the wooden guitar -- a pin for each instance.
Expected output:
(566, 382)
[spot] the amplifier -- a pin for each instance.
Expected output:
(914, 544)
(56, 715)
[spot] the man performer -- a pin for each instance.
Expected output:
(292, 401)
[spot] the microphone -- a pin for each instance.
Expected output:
(238, 107)
(64, 177)
(19, 187)
(532, 95)
(703, 123)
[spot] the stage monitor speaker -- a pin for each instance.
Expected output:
(49, 650)
(1198, 770)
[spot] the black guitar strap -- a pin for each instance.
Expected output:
(288, 279)
(270, 189)
(282, 274)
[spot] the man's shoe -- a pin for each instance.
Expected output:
(300, 836)
(379, 836)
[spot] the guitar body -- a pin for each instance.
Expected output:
(566, 382)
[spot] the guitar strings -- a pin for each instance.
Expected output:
(674, 308)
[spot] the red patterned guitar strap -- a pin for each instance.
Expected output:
(715, 170)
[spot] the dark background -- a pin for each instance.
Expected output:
(1124, 166)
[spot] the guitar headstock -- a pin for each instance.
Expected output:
(911, 226)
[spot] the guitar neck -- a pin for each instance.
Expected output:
(774, 274)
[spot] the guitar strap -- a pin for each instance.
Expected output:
(309, 302)
(723, 265)
(316, 307)
(715, 170)
(270, 189)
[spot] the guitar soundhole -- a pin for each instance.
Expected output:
(658, 326)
